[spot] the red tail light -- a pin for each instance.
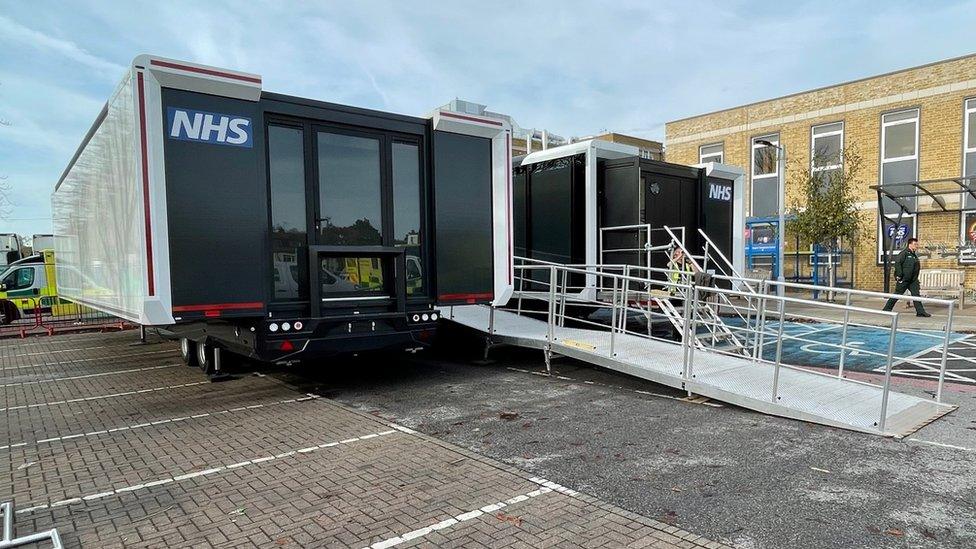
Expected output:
(287, 346)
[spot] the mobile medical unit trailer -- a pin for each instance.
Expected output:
(278, 227)
(596, 202)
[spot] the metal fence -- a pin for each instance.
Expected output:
(49, 316)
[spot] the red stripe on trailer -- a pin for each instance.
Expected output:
(508, 202)
(469, 297)
(145, 184)
(200, 70)
(471, 118)
(218, 307)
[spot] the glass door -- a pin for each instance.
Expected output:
(349, 224)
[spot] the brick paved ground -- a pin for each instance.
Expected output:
(116, 444)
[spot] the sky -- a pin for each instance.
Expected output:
(573, 67)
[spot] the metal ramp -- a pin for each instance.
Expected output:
(800, 394)
(725, 341)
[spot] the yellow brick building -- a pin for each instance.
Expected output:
(909, 125)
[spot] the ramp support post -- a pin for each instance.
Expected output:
(694, 332)
(491, 330)
(761, 327)
(945, 354)
(843, 336)
(887, 379)
(551, 320)
(779, 350)
(613, 314)
(685, 333)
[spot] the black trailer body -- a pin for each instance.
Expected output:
(280, 227)
(569, 201)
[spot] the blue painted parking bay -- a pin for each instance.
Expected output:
(816, 346)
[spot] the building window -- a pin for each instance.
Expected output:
(765, 176)
(711, 153)
(968, 217)
(827, 150)
(899, 164)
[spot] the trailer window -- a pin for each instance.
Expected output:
(351, 276)
(289, 237)
(350, 192)
(407, 212)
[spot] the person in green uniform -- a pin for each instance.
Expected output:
(906, 277)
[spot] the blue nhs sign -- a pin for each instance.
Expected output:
(209, 127)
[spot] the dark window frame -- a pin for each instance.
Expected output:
(387, 137)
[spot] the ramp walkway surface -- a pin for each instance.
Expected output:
(791, 392)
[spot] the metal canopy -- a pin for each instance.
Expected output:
(944, 196)
(938, 190)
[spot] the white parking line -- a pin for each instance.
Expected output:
(90, 359)
(57, 351)
(192, 474)
(70, 378)
(159, 422)
(99, 397)
(941, 444)
(457, 519)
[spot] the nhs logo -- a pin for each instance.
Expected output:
(719, 192)
(209, 127)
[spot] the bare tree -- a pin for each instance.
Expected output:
(6, 206)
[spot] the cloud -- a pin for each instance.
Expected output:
(18, 35)
(571, 66)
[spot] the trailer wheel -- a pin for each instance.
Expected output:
(205, 357)
(188, 351)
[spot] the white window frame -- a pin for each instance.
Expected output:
(813, 145)
(752, 168)
(720, 155)
(968, 108)
(885, 125)
(909, 218)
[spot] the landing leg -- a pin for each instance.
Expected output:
(547, 354)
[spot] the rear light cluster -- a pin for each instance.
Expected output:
(424, 317)
(285, 326)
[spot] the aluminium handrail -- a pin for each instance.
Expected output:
(620, 307)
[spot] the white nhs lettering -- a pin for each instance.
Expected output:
(189, 125)
(720, 192)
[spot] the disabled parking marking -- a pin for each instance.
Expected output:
(196, 474)
(309, 397)
(100, 397)
(832, 350)
(70, 378)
